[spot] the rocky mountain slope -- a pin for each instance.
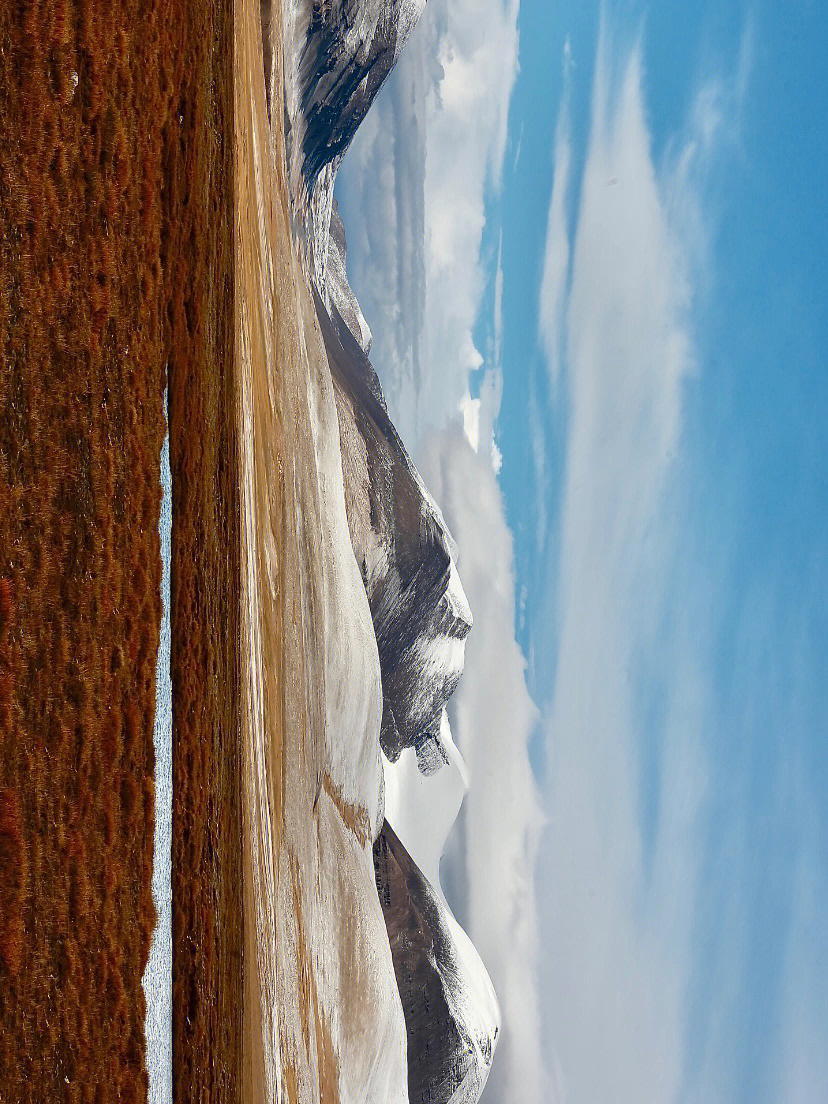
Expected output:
(337, 56)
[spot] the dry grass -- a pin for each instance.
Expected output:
(99, 219)
(207, 848)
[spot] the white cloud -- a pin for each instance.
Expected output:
(470, 411)
(556, 258)
(621, 870)
(618, 932)
(716, 122)
(497, 323)
(412, 190)
(479, 416)
(493, 718)
(803, 1076)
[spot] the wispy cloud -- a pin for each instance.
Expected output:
(554, 284)
(619, 950)
(678, 868)
(622, 867)
(716, 124)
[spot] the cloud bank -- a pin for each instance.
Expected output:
(412, 190)
(493, 718)
(679, 877)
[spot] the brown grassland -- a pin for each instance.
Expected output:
(207, 819)
(115, 261)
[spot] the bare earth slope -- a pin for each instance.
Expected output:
(323, 1020)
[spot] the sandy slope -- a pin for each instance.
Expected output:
(322, 1014)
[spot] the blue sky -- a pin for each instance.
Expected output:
(607, 351)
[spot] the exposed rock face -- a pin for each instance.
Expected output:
(338, 53)
(451, 1014)
(421, 615)
(342, 52)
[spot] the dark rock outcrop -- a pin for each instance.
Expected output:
(451, 1014)
(421, 616)
(338, 54)
(349, 48)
